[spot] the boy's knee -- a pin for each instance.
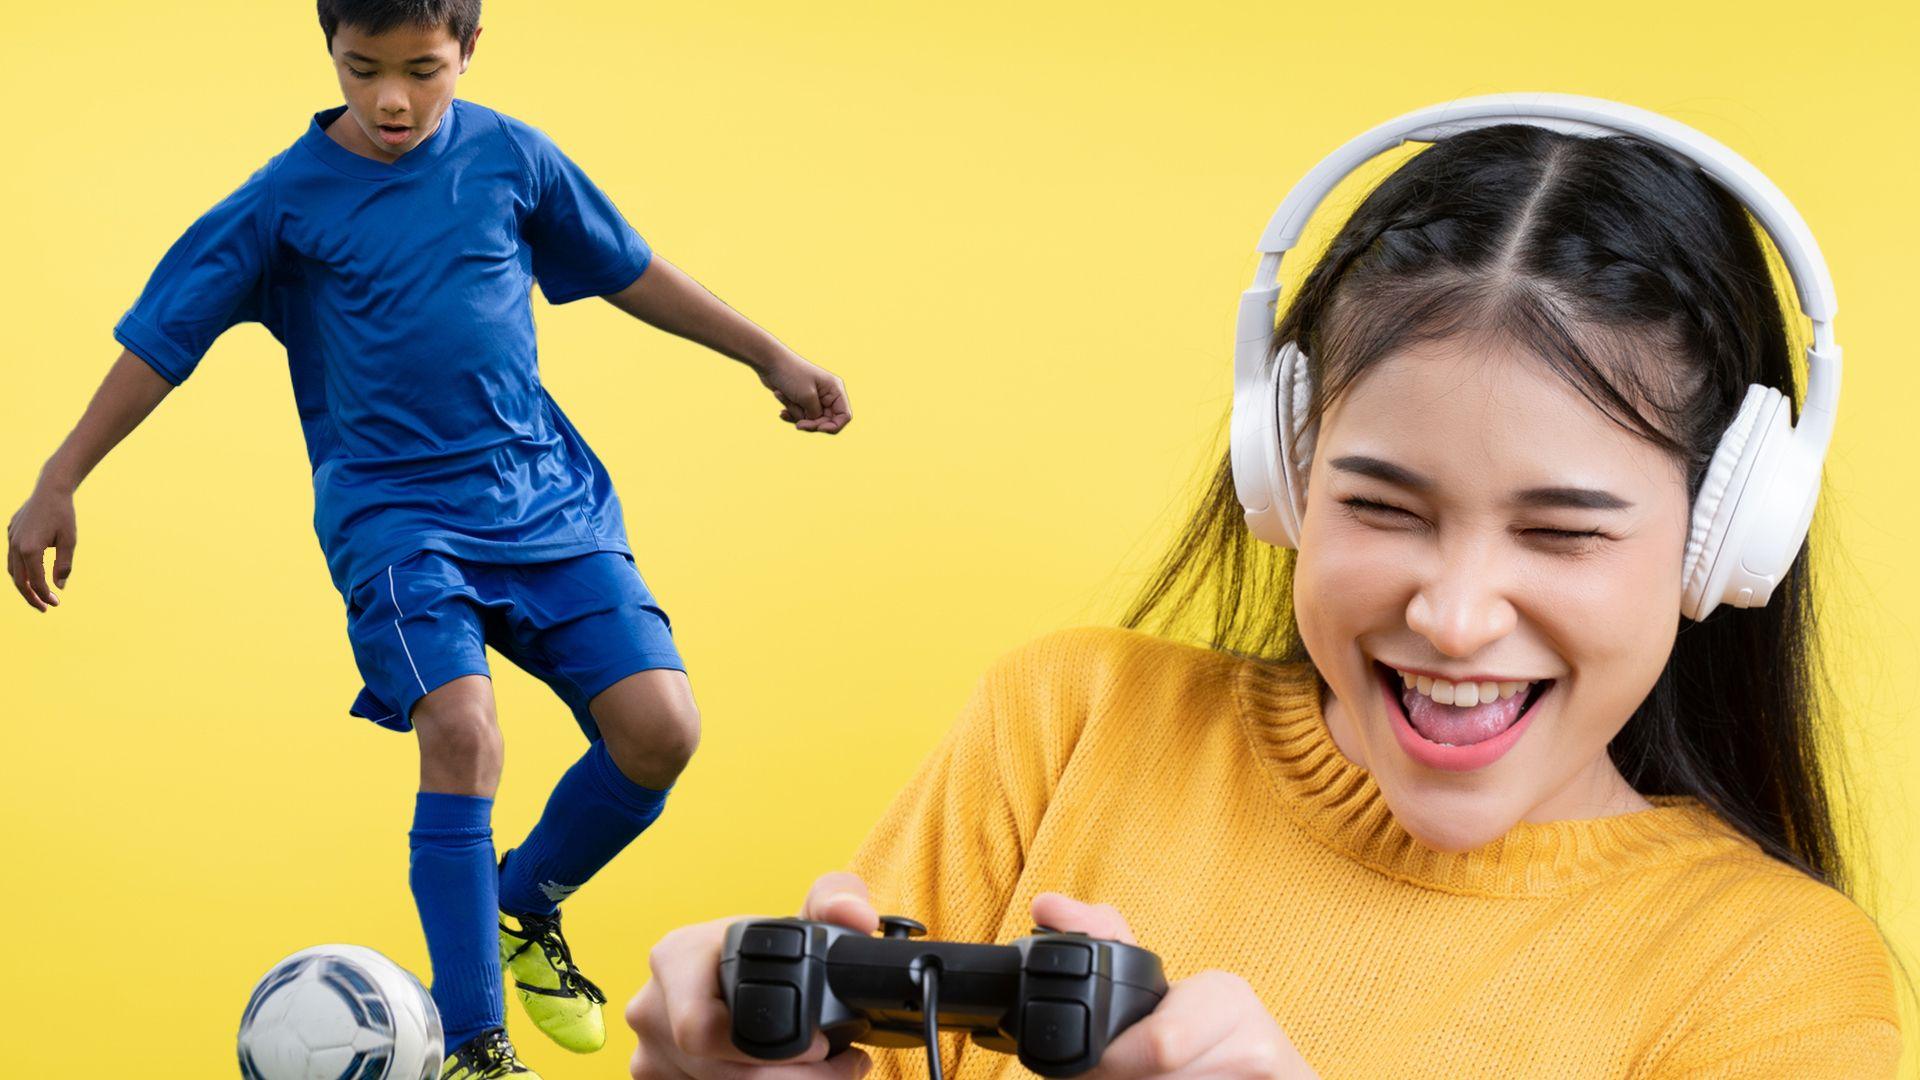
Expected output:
(461, 750)
(653, 746)
(678, 736)
(463, 736)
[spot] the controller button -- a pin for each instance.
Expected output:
(766, 1012)
(772, 943)
(1060, 958)
(899, 926)
(1054, 1031)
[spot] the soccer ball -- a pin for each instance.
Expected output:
(339, 1012)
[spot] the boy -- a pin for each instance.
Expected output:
(393, 249)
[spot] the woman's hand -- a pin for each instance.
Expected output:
(45, 520)
(1209, 1025)
(682, 1020)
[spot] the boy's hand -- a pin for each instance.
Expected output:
(44, 521)
(811, 397)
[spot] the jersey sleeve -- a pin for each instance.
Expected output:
(950, 849)
(213, 277)
(582, 246)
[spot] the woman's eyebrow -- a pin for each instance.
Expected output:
(1573, 498)
(1383, 471)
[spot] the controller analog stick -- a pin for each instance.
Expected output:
(899, 926)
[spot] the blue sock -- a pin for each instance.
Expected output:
(594, 812)
(453, 878)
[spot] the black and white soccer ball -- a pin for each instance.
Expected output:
(340, 1012)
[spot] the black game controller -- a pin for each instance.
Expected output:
(1056, 999)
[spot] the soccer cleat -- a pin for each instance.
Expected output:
(484, 1057)
(558, 999)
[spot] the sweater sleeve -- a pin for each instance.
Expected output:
(950, 848)
(1859, 1049)
(1813, 998)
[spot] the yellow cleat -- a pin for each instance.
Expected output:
(558, 999)
(486, 1056)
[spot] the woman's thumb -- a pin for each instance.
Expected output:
(1059, 912)
(841, 898)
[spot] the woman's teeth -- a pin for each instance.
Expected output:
(1464, 694)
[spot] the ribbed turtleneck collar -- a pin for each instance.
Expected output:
(1341, 805)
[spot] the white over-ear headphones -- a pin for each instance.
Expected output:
(1756, 503)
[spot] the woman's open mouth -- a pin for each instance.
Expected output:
(1461, 728)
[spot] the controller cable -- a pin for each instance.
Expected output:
(928, 976)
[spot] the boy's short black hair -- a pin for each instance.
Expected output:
(460, 17)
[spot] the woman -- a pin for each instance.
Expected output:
(1451, 791)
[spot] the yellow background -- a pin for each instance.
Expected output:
(1017, 231)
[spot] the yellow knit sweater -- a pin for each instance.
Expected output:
(1201, 795)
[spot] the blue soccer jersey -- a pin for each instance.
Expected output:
(402, 293)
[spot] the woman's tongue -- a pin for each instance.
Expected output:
(1457, 725)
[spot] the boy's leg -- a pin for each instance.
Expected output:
(418, 632)
(590, 628)
(451, 869)
(596, 810)
(649, 729)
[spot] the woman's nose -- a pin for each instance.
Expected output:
(1461, 608)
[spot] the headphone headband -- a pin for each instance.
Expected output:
(1576, 115)
(1572, 114)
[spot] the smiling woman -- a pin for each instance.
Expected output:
(1450, 788)
(1526, 347)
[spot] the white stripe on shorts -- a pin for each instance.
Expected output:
(409, 652)
(391, 595)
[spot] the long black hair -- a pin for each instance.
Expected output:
(1646, 287)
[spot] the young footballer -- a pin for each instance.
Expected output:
(392, 248)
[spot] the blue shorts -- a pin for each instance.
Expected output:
(579, 625)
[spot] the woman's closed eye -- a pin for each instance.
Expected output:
(1372, 511)
(1360, 509)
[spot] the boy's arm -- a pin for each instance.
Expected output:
(812, 398)
(126, 396)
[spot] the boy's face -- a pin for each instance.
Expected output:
(397, 84)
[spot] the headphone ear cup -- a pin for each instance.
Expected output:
(1294, 384)
(1716, 532)
(1253, 442)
